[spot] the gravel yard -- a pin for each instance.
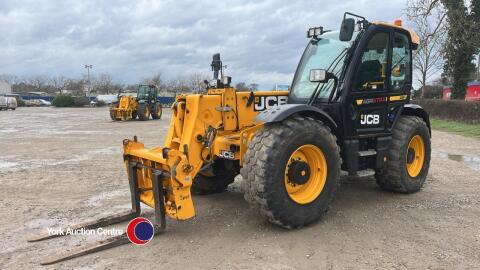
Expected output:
(59, 166)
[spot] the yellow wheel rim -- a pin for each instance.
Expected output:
(311, 189)
(159, 110)
(147, 112)
(415, 156)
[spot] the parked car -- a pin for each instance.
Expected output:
(37, 103)
(8, 103)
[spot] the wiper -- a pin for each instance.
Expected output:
(332, 66)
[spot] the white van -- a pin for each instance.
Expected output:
(8, 103)
(108, 99)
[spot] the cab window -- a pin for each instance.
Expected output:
(401, 61)
(371, 73)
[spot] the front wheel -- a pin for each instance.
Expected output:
(157, 111)
(291, 171)
(143, 112)
(408, 158)
(112, 114)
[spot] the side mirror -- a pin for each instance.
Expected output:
(347, 28)
(318, 75)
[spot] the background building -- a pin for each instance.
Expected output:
(473, 91)
(447, 92)
(5, 88)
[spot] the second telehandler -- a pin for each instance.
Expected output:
(144, 105)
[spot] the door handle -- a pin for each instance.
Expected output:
(353, 112)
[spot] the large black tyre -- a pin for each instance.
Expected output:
(112, 114)
(395, 175)
(265, 167)
(157, 111)
(143, 112)
(222, 176)
(113, 106)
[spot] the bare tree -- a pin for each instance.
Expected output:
(429, 22)
(241, 86)
(196, 82)
(423, 7)
(178, 85)
(39, 82)
(77, 86)
(253, 87)
(104, 84)
(155, 79)
(59, 83)
(10, 79)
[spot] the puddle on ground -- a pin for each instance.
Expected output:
(471, 161)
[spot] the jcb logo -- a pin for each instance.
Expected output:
(267, 102)
(369, 119)
(227, 154)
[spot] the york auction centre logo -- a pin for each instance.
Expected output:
(140, 231)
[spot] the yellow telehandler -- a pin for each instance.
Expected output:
(348, 109)
(144, 105)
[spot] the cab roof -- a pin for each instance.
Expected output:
(413, 36)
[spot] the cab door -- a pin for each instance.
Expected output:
(366, 103)
(400, 77)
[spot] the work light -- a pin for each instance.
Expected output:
(318, 75)
(314, 32)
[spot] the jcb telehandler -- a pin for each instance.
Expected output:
(144, 105)
(348, 109)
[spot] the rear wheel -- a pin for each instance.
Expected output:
(143, 112)
(291, 171)
(112, 114)
(223, 174)
(157, 113)
(408, 158)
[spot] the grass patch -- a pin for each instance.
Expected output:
(471, 130)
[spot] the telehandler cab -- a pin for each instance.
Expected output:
(348, 109)
(144, 105)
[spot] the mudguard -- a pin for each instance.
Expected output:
(281, 112)
(417, 110)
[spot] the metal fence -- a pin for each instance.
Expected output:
(166, 100)
(163, 100)
(31, 97)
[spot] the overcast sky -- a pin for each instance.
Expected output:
(260, 41)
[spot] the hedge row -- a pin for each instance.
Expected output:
(69, 101)
(454, 110)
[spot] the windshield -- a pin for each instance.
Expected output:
(319, 55)
(143, 91)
